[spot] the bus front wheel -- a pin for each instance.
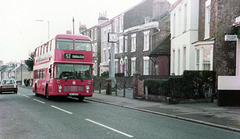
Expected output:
(46, 93)
(80, 99)
(36, 90)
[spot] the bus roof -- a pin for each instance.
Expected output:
(73, 36)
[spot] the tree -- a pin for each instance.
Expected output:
(30, 61)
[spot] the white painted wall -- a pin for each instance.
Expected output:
(183, 38)
(104, 65)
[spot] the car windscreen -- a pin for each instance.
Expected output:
(8, 82)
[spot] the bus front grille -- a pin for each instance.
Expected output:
(73, 88)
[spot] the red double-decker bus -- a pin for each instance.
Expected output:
(63, 67)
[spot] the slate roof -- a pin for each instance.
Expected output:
(163, 48)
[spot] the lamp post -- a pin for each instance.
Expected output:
(48, 26)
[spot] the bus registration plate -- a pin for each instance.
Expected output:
(73, 94)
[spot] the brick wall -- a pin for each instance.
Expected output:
(223, 13)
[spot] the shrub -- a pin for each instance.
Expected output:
(119, 74)
(157, 86)
(105, 74)
(193, 84)
(201, 83)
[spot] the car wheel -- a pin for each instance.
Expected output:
(15, 92)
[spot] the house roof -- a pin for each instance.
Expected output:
(163, 48)
(3, 68)
(19, 67)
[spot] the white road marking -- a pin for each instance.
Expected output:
(24, 95)
(39, 101)
(61, 109)
(120, 132)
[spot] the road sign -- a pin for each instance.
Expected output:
(231, 37)
(112, 37)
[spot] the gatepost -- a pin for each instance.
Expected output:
(135, 84)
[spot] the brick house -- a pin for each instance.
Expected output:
(94, 33)
(137, 40)
(225, 21)
(218, 18)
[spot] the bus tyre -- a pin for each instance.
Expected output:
(46, 94)
(80, 99)
(35, 90)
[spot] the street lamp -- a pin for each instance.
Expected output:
(48, 26)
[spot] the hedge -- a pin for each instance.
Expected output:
(193, 84)
(157, 86)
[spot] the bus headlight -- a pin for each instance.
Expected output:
(60, 87)
(87, 88)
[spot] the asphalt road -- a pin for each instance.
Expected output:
(26, 116)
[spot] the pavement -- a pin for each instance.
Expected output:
(202, 113)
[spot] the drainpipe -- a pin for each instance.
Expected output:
(152, 48)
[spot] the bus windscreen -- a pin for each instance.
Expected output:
(70, 71)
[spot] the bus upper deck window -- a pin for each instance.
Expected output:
(82, 45)
(65, 44)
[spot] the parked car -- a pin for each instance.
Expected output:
(8, 85)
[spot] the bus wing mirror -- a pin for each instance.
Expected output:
(50, 70)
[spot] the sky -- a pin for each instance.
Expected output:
(21, 33)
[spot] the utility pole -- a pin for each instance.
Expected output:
(39, 20)
(73, 26)
(21, 73)
(112, 38)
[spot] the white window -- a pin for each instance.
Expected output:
(185, 18)
(126, 44)
(133, 65)
(146, 41)
(105, 55)
(204, 58)
(179, 60)
(207, 18)
(125, 66)
(174, 25)
(116, 65)
(121, 64)
(146, 65)
(133, 43)
(174, 62)
(121, 24)
(92, 34)
(116, 26)
(116, 48)
(109, 53)
(121, 44)
(180, 21)
(95, 34)
(197, 59)
(184, 57)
